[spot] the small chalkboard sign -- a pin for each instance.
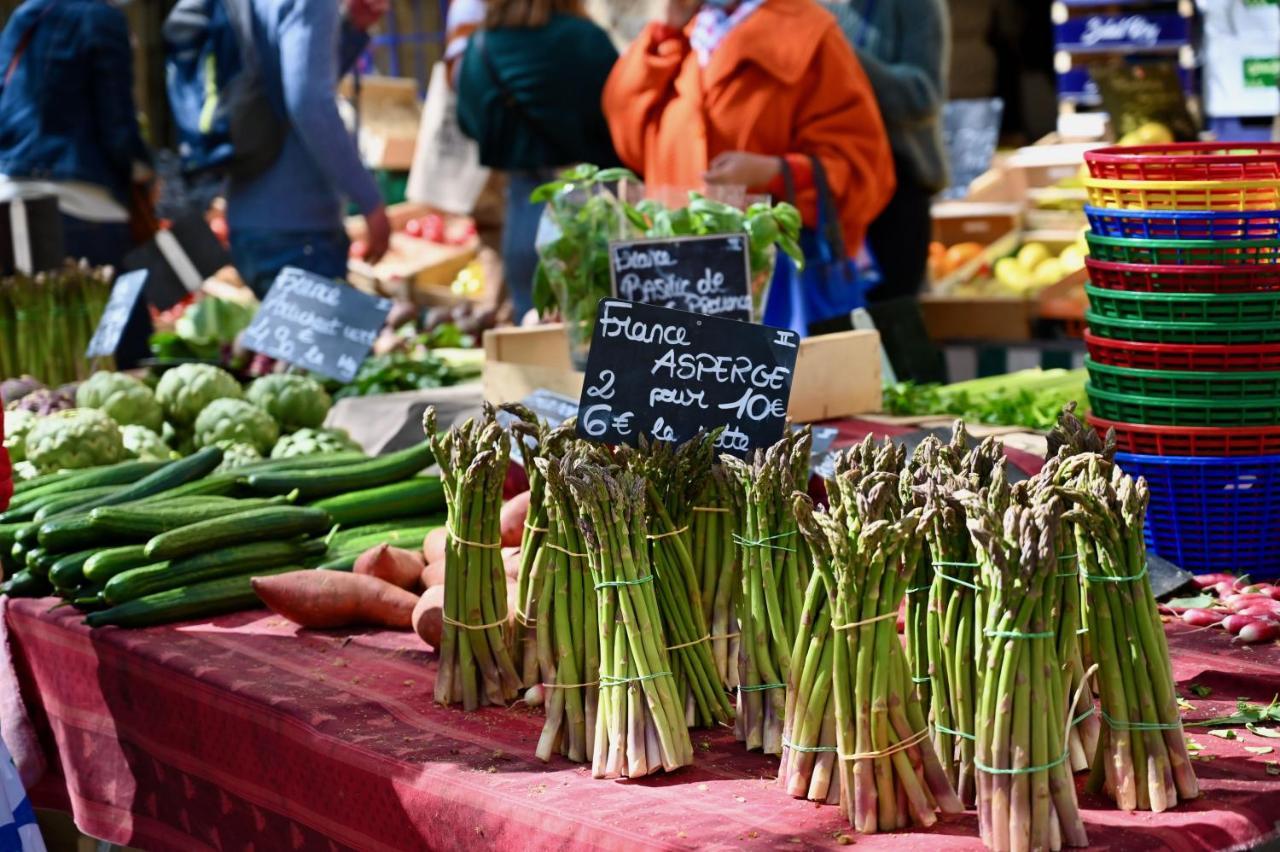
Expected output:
(970, 131)
(316, 323)
(116, 314)
(669, 374)
(31, 237)
(1145, 93)
(702, 275)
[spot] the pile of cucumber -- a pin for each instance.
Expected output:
(142, 543)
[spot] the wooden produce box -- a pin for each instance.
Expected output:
(837, 375)
(390, 114)
(981, 222)
(999, 319)
(413, 269)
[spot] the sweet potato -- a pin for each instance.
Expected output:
(397, 566)
(336, 599)
(512, 517)
(433, 575)
(511, 562)
(435, 544)
(428, 616)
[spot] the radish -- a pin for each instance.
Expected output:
(1233, 624)
(1271, 609)
(1203, 617)
(1258, 631)
(1205, 581)
(1238, 601)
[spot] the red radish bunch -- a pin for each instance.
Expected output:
(1248, 611)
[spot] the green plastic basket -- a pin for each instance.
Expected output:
(1184, 307)
(1184, 332)
(1183, 252)
(1191, 385)
(1164, 411)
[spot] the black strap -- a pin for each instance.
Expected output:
(513, 103)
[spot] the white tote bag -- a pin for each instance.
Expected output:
(446, 172)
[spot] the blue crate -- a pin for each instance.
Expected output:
(1213, 514)
(1185, 224)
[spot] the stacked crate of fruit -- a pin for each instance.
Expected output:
(1184, 342)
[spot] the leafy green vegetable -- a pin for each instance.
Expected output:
(1200, 690)
(1031, 398)
(1246, 714)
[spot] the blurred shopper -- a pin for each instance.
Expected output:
(529, 93)
(68, 125)
(291, 214)
(764, 94)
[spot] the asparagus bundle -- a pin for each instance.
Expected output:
(890, 776)
(1026, 797)
(475, 655)
(640, 726)
(1141, 754)
(807, 769)
(568, 644)
(715, 559)
(47, 321)
(673, 476)
(955, 609)
(775, 574)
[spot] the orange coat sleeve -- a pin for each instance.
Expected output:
(641, 83)
(838, 121)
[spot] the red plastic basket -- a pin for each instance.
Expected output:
(1191, 440)
(1187, 161)
(1152, 278)
(1179, 356)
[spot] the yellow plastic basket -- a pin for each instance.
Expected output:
(1184, 194)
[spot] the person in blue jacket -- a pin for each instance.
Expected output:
(292, 214)
(68, 124)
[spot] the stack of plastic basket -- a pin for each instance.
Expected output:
(1184, 342)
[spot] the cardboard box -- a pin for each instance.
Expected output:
(998, 319)
(390, 113)
(974, 221)
(837, 375)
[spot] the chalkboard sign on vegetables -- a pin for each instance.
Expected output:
(584, 213)
(703, 275)
(970, 131)
(124, 295)
(315, 323)
(669, 374)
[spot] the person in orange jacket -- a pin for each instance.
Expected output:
(725, 91)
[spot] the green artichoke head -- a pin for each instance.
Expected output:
(237, 421)
(236, 454)
(73, 439)
(16, 426)
(310, 442)
(145, 444)
(295, 401)
(121, 397)
(187, 389)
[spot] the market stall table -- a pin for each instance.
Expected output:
(244, 728)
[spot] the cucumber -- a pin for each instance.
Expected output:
(212, 565)
(175, 473)
(314, 484)
(43, 481)
(347, 534)
(228, 483)
(88, 601)
(407, 537)
(105, 564)
(7, 533)
(35, 561)
(26, 584)
(230, 594)
(123, 473)
(420, 495)
(67, 572)
(70, 500)
(142, 521)
(272, 522)
(71, 532)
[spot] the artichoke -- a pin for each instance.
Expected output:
(24, 470)
(12, 390)
(236, 454)
(145, 444)
(237, 421)
(296, 402)
(45, 401)
(16, 426)
(187, 389)
(310, 442)
(78, 438)
(121, 397)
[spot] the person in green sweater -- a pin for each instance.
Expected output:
(904, 46)
(529, 93)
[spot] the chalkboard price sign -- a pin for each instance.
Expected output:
(668, 374)
(115, 316)
(703, 275)
(970, 130)
(315, 323)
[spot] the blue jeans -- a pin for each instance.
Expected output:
(260, 255)
(519, 257)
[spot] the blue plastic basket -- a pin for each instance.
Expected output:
(1185, 224)
(1213, 514)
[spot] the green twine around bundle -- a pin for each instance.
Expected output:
(1119, 725)
(604, 584)
(742, 541)
(1106, 578)
(808, 749)
(609, 680)
(1027, 770)
(1018, 634)
(958, 581)
(761, 687)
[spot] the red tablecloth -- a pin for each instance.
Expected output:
(216, 733)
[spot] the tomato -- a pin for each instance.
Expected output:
(413, 227)
(432, 228)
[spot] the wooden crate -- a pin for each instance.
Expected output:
(413, 269)
(837, 375)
